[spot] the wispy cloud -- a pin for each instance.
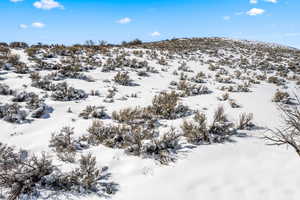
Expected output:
(226, 18)
(272, 1)
(255, 11)
(23, 26)
(155, 34)
(253, 1)
(38, 25)
(15, 1)
(47, 4)
(125, 20)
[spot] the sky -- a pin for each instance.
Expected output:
(75, 21)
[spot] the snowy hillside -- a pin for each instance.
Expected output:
(162, 119)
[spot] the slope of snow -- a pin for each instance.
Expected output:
(245, 168)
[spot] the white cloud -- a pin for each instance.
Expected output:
(226, 18)
(23, 26)
(272, 1)
(47, 4)
(125, 20)
(155, 34)
(15, 1)
(255, 11)
(38, 25)
(253, 1)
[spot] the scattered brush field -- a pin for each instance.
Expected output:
(199, 118)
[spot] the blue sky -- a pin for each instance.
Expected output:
(74, 21)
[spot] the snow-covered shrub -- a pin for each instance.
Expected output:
(131, 115)
(111, 136)
(233, 103)
(20, 173)
(162, 61)
(165, 105)
(35, 76)
(5, 90)
(41, 111)
(63, 92)
(87, 178)
(24, 176)
(34, 102)
(183, 67)
(276, 80)
(43, 83)
(93, 112)
(24, 96)
(12, 113)
(196, 132)
(199, 78)
(123, 79)
(245, 121)
(192, 89)
(221, 128)
(21, 68)
(281, 97)
(224, 97)
(87, 175)
(63, 141)
(142, 73)
(223, 79)
(161, 149)
(65, 145)
(236, 88)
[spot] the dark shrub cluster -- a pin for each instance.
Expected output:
(12, 113)
(166, 106)
(5, 90)
(63, 92)
(24, 176)
(93, 112)
(198, 132)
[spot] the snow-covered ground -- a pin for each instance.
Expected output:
(244, 169)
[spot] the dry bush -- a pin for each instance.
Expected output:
(112, 136)
(281, 97)
(12, 113)
(123, 79)
(63, 141)
(116, 136)
(5, 90)
(224, 97)
(233, 104)
(93, 112)
(245, 121)
(165, 105)
(196, 132)
(63, 92)
(134, 139)
(135, 115)
(162, 61)
(162, 149)
(199, 78)
(276, 80)
(87, 176)
(24, 96)
(191, 89)
(289, 134)
(221, 127)
(65, 145)
(20, 173)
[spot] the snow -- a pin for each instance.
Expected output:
(246, 168)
